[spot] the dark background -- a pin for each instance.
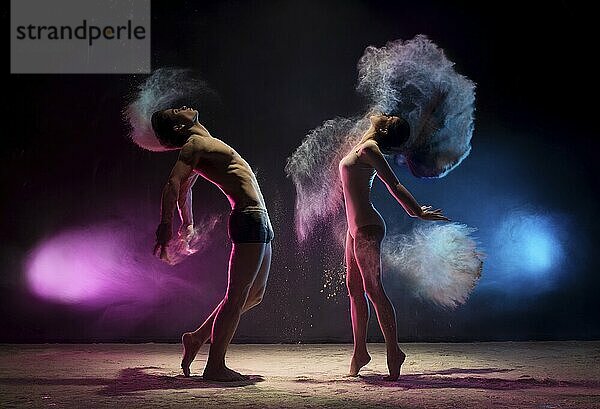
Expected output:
(280, 69)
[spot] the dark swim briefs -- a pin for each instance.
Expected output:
(250, 225)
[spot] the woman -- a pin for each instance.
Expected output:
(430, 133)
(366, 230)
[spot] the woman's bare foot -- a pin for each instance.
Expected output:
(223, 374)
(358, 361)
(190, 348)
(395, 359)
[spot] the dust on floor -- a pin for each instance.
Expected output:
(543, 375)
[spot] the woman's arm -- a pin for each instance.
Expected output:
(372, 155)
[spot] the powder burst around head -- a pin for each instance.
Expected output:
(165, 88)
(401, 78)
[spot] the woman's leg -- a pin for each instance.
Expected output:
(359, 309)
(367, 250)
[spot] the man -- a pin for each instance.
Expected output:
(249, 229)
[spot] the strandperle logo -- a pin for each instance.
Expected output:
(80, 36)
(82, 32)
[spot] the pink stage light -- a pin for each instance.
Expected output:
(98, 266)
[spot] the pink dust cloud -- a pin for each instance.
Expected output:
(103, 265)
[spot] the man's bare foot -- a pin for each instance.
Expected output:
(395, 359)
(358, 361)
(223, 374)
(190, 348)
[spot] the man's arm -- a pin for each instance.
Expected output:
(184, 203)
(181, 172)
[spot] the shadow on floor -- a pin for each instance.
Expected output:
(137, 379)
(443, 379)
(134, 380)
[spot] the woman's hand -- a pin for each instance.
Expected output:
(427, 214)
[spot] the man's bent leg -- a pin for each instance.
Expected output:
(193, 341)
(244, 264)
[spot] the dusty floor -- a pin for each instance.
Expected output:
(474, 375)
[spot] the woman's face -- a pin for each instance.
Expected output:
(381, 121)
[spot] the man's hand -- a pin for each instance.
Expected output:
(187, 237)
(428, 214)
(163, 236)
(186, 232)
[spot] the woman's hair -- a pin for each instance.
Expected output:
(162, 124)
(402, 78)
(394, 139)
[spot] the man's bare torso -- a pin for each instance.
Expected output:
(220, 164)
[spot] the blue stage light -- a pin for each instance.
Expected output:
(528, 244)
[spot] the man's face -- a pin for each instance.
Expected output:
(184, 114)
